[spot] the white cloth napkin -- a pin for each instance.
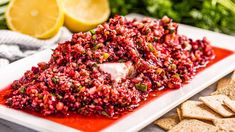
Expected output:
(14, 45)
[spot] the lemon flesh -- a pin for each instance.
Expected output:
(37, 18)
(83, 15)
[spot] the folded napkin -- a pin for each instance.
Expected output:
(14, 45)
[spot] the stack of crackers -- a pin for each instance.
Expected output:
(210, 114)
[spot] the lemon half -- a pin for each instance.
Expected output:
(83, 15)
(38, 18)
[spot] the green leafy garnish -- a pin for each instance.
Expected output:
(55, 80)
(95, 65)
(155, 39)
(93, 37)
(159, 71)
(172, 30)
(141, 87)
(59, 96)
(80, 88)
(151, 48)
(216, 15)
(173, 66)
(92, 31)
(40, 96)
(106, 56)
(22, 90)
(176, 76)
(97, 46)
(121, 60)
(104, 113)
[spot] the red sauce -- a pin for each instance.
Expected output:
(98, 123)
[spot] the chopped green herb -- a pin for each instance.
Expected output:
(54, 80)
(148, 30)
(141, 87)
(55, 57)
(158, 84)
(106, 32)
(95, 65)
(40, 96)
(200, 48)
(106, 56)
(80, 88)
(173, 66)
(151, 48)
(94, 37)
(97, 46)
(121, 60)
(22, 90)
(176, 76)
(159, 71)
(92, 31)
(155, 39)
(172, 30)
(59, 96)
(77, 88)
(138, 43)
(104, 113)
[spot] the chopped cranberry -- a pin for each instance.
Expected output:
(73, 81)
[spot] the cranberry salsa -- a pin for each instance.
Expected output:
(111, 69)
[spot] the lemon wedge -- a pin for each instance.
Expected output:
(37, 18)
(83, 15)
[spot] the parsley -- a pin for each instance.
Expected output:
(141, 87)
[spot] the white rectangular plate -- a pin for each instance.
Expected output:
(145, 115)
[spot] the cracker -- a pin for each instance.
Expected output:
(179, 113)
(230, 104)
(226, 124)
(222, 83)
(168, 122)
(233, 76)
(193, 125)
(198, 110)
(216, 103)
(226, 87)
